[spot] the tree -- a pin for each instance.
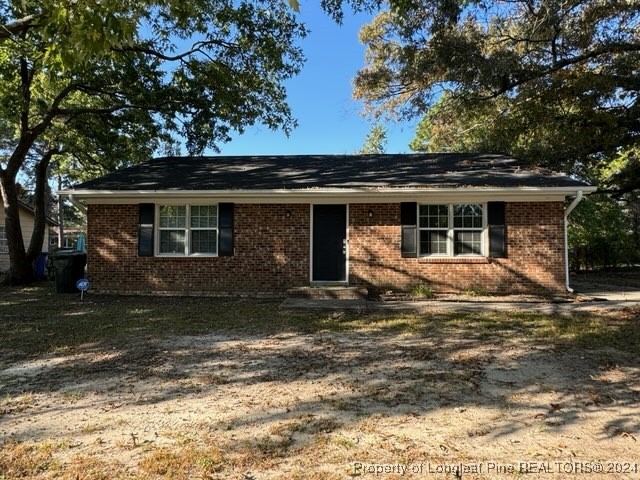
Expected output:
(375, 141)
(554, 82)
(89, 85)
(601, 234)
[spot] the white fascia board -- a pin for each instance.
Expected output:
(331, 195)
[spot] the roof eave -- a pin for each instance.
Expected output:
(312, 193)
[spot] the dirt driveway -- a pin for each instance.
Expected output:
(316, 396)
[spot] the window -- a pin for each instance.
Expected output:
(451, 229)
(188, 229)
(467, 229)
(4, 246)
(435, 221)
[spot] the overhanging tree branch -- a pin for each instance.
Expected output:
(76, 112)
(18, 26)
(197, 47)
(117, 106)
(561, 64)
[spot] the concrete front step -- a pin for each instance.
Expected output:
(329, 293)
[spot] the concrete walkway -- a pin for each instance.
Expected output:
(593, 295)
(461, 306)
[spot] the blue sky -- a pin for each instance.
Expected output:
(330, 121)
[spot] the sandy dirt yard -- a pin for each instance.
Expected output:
(117, 387)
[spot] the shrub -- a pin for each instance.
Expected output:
(422, 290)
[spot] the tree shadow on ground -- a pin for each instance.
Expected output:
(128, 353)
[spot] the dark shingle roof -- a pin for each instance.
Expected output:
(329, 171)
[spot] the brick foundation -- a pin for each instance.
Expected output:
(272, 254)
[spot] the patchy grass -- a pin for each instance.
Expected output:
(475, 292)
(273, 446)
(183, 464)
(621, 333)
(163, 388)
(90, 468)
(306, 424)
(26, 459)
(16, 404)
(35, 320)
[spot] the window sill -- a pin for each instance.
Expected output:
(454, 260)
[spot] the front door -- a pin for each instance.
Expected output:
(329, 256)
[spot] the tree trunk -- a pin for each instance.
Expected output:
(20, 268)
(40, 207)
(635, 219)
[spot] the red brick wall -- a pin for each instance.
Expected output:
(272, 254)
(534, 263)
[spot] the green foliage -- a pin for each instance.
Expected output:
(475, 292)
(87, 86)
(621, 171)
(422, 290)
(452, 126)
(553, 82)
(294, 4)
(601, 234)
(376, 140)
(133, 77)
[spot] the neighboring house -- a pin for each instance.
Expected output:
(264, 224)
(26, 223)
(70, 237)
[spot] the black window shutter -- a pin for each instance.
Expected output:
(497, 229)
(145, 229)
(225, 229)
(409, 224)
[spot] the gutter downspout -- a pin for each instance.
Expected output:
(567, 211)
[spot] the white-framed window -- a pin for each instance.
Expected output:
(187, 230)
(452, 229)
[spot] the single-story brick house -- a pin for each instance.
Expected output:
(261, 225)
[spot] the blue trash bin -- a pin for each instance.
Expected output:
(41, 266)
